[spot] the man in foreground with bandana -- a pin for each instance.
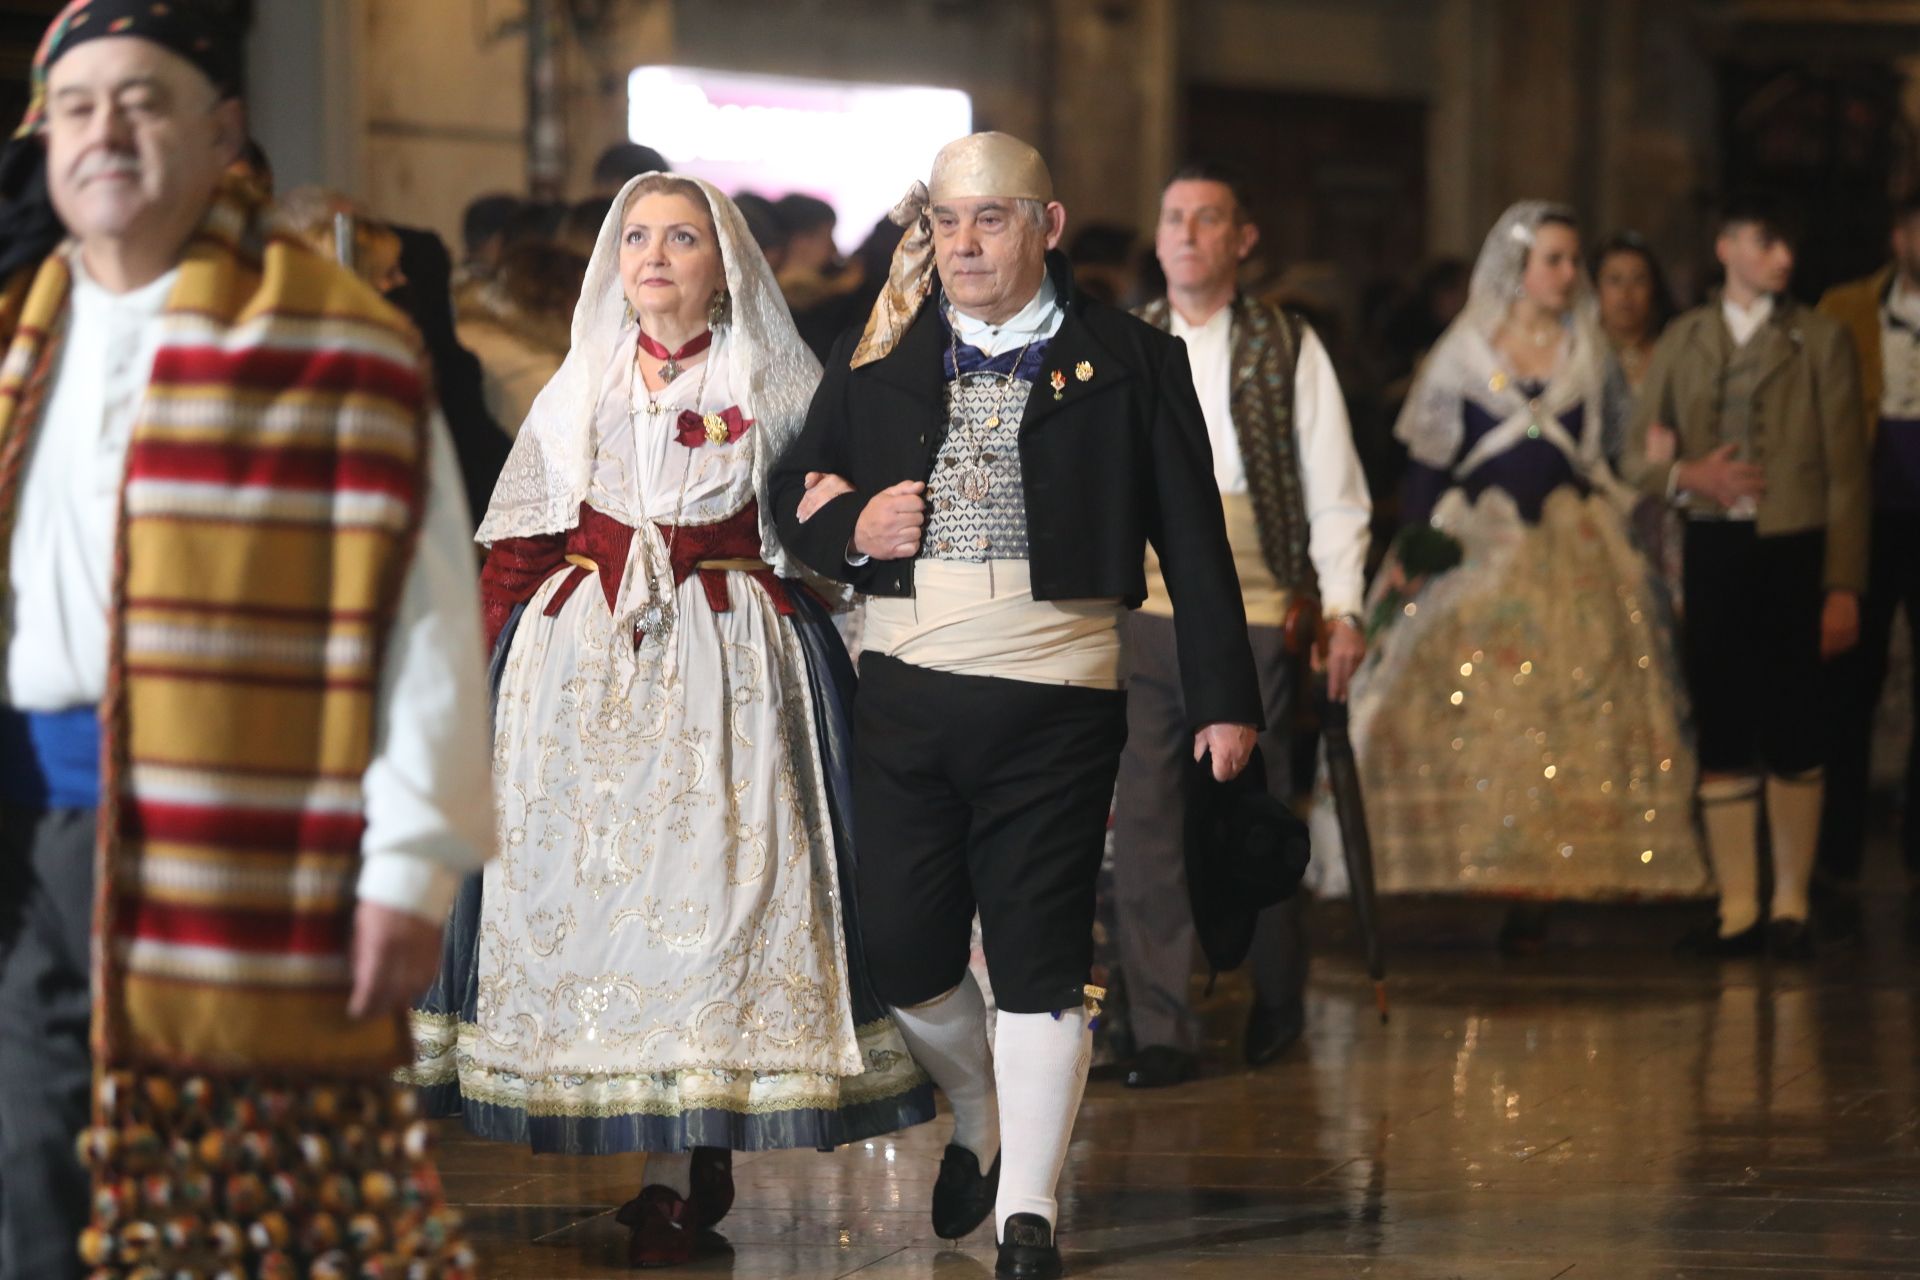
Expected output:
(244, 762)
(989, 467)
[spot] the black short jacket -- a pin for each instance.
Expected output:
(1115, 457)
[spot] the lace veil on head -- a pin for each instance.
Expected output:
(547, 474)
(1463, 363)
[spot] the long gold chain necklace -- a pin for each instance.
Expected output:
(656, 619)
(973, 478)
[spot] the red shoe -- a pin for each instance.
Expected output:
(657, 1218)
(712, 1194)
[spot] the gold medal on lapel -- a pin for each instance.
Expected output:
(1084, 371)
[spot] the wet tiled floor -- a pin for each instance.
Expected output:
(1599, 1110)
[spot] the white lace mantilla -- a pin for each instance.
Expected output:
(550, 469)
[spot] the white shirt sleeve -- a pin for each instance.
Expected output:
(429, 788)
(1339, 508)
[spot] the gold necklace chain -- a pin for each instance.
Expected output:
(974, 479)
(657, 618)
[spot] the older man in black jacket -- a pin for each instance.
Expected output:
(990, 468)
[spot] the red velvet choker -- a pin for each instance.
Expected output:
(658, 351)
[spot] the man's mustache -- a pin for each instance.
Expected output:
(106, 164)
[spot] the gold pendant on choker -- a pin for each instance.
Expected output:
(670, 370)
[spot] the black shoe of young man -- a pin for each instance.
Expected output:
(963, 1196)
(1159, 1065)
(1027, 1250)
(1789, 940)
(1707, 943)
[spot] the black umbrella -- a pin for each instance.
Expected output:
(1355, 843)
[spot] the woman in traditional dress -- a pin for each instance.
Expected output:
(1518, 724)
(1634, 303)
(1635, 306)
(661, 958)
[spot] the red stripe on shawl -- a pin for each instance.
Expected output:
(270, 932)
(303, 470)
(242, 828)
(279, 370)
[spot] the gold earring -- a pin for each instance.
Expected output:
(719, 309)
(627, 318)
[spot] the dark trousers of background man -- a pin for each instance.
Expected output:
(1856, 679)
(1155, 923)
(46, 926)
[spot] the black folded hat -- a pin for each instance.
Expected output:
(1246, 851)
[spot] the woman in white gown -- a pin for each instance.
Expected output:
(1518, 724)
(661, 959)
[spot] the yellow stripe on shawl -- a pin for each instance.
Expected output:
(219, 723)
(271, 567)
(316, 1036)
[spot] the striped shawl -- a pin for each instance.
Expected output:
(273, 487)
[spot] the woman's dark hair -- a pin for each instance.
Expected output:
(542, 279)
(486, 218)
(762, 221)
(533, 222)
(624, 160)
(582, 223)
(1557, 216)
(1635, 243)
(800, 214)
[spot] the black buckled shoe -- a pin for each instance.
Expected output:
(1027, 1250)
(1271, 1032)
(963, 1196)
(1159, 1066)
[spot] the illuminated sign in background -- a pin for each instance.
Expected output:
(856, 146)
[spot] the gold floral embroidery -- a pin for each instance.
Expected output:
(663, 898)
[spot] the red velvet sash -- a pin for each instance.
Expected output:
(516, 567)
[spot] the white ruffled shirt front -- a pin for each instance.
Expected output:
(1038, 320)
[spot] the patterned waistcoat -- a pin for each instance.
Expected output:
(1265, 352)
(976, 499)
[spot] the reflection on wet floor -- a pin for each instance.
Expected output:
(1599, 1110)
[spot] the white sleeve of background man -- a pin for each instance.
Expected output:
(429, 789)
(1339, 508)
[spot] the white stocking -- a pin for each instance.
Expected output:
(1793, 819)
(1041, 1063)
(948, 1037)
(1730, 809)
